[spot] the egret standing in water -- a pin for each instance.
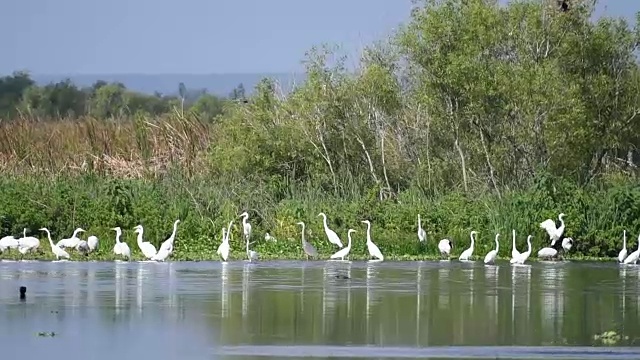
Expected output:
(373, 248)
(491, 256)
(550, 226)
(623, 253)
(308, 249)
(466, 255)
(147, 248)
(344, 252)
(523, 256)
(251, 255)
(514, 251)
(121, 248)
(445, 246)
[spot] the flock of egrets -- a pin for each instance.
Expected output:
(27, 244)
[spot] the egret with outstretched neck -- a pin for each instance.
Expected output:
(466, 255)
(308, 249)
(491, 256)
(344, 252)
(57, 251)
(422, 235)
(331, 235)
(373, 248)
(523, 256)
(623, 253)
(121, 248)
(246, 227)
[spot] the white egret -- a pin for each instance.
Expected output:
(491, 256)
(223, 249)
(27, 243)
(550, 226)
(514, 251)
(57, 251)
(268, 237)
(344, 252)
(121, 248)
(466, 255)
(252, 255)
(246, 227)
(422, 235)
(71, 242)
(445, 246)
(8, 242)
(373, 248)
(308, 249)
(523, 256)
(166, 248)
(92, 241)
(567, 243)
(147, 248)
(633, 257)
(623, 253)
(331, 235)
(547, 253)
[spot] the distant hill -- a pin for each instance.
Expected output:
(167, 84)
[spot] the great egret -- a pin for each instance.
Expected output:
(567, 243)
(27, 243)
(550, 226)
(445, 246)
(223, 249)
(57, 251)
(71, 242)
(308, 249)
(466, 255)
(268, 237)
(491, 256)
(514, 251)
(166, 248)
(92, 241)
(8, 242)
(331, 235)
(422, 235)
(373, 248)
(252, 255)
(547, 253)
(246, 227)
(523, 256)
(147, 248)
(633, 257)
(623, 253)
(121, 248)
(344, 252)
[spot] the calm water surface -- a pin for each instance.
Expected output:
(241, 310)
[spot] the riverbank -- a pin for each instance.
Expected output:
(595, 217)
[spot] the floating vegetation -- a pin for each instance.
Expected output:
(609, 338)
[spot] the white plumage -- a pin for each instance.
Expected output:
(466, 255)
(57, 251)
(121, 248)
(550, 226)
(490, 258)
(374, 251)
(147, 248)
(514, 251)
(246, 227)
(422, 235)
(633, 257)
(331, 235)
(623, 253)
(166, 248)
(344, 252)
(71, 242)
(547, 253)
(520, 259)
(445, 247)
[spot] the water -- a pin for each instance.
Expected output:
(292, 309)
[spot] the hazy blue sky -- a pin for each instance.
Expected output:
(193, 36)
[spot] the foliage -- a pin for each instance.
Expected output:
(477, 115)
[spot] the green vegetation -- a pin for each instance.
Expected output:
(476, 115)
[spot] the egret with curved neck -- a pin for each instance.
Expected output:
(57, 251)
(246, 227)
(373, 248)
(331, 235)
(308, 249)
(491, 256)
(422, 235)
(550, 226)
(344, 252)
(466, 255)
(147, 248)
(623, 253)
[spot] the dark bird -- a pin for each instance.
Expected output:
(23, 292)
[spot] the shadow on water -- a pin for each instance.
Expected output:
(339, 309)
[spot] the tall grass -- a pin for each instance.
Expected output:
(100, 174)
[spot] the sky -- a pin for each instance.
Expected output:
(195, 36)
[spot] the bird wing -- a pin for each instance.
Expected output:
(550, 226)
